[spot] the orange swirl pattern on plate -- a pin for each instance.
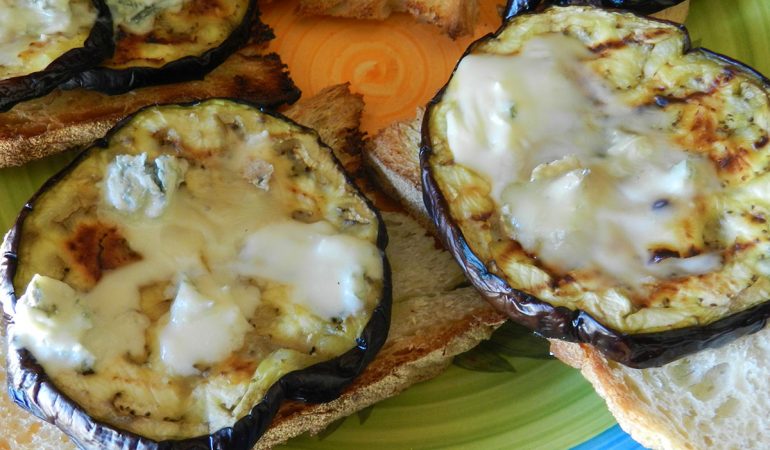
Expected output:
(397, 64)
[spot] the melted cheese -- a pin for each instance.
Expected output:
(133, 185)
(52, 323)
(138, 16)
(321, 266)
(38, 23)
(220, 319)
(582, 180)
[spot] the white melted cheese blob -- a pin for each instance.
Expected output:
(322, 267)
(51, 322)
(138, 16)
(200, 330)
(583, 181)
(23, 23)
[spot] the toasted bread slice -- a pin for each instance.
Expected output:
(434, 318)
(716, 398)
(64, 119)
(336, 114)
(455, 17)
(392, 156)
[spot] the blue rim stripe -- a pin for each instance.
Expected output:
(612, 439)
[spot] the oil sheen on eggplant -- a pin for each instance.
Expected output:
(43, 44)
(602, 182)
(516, 7)
(186, 275)
(168, 41)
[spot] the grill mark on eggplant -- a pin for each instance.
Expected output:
(559, 282)
(739, 247)
(720, 81)
(96, 247)
(615, 44)
(735, 161)
(758, 218)
(611, 45)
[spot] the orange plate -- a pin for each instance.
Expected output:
(397, 64)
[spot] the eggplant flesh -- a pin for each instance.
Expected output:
(516, 7)
(528, 224)
(192, 227)
(55, 54)
(165, 42)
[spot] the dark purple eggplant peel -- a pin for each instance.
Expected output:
(320, 380)
(97, 46)
(719, 110)
(188, 57)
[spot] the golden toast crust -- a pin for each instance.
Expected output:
(67, 119)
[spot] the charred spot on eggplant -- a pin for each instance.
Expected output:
(166, 296)
(648, 207)
(46, 43)
(515, 7)
(168, 41)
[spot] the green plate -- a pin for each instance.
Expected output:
(527, 402)
(543, 404)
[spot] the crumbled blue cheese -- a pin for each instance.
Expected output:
(132, 184)
(138, 16)
(50, 321)
(218, 323)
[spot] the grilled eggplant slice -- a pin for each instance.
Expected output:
(168, 41)
(183, 277)
(46, 43)
(601, 182)
(515, 7)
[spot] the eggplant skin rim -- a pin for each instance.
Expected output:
(516, 7)
(638, 350)
(30, 387)
(192, 67)
(98, 46)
